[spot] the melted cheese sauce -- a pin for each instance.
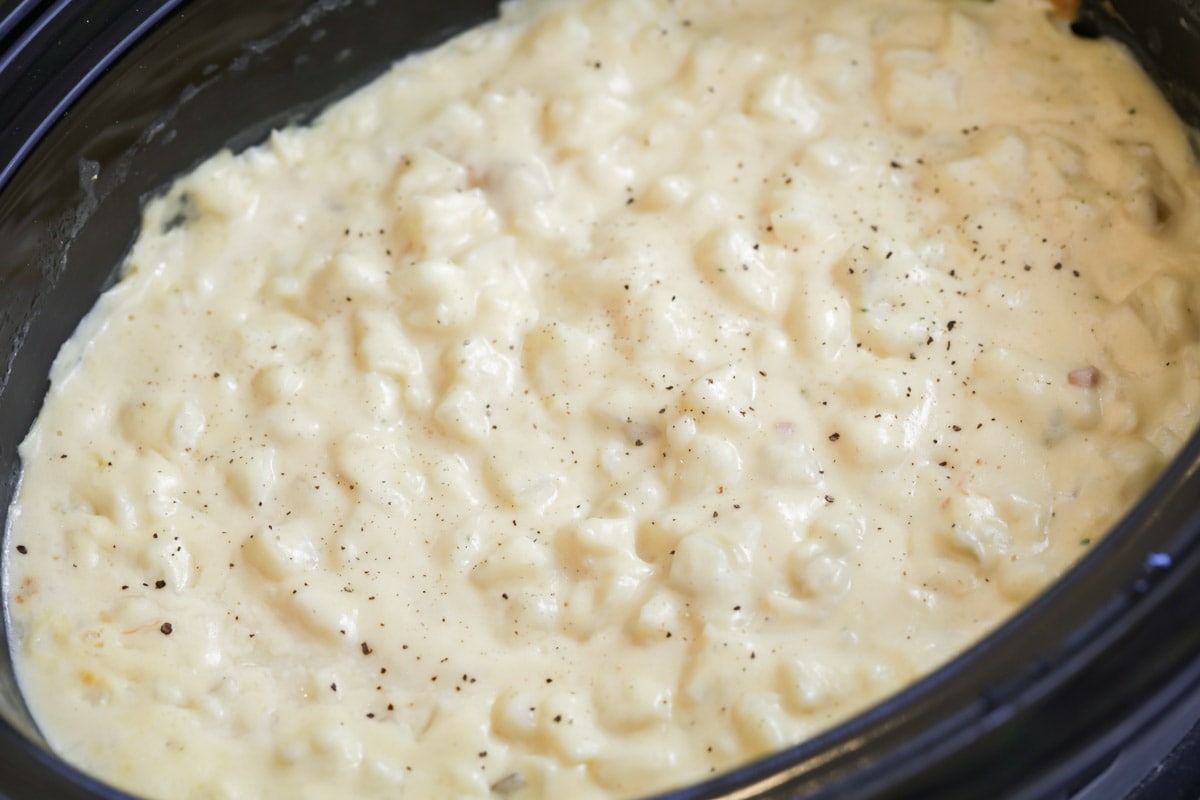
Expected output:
(620, 392)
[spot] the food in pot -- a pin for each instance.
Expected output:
(620, 392)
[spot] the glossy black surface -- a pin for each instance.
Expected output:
(1079, 696)
(1165, 35)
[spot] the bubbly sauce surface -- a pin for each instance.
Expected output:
(621, 391)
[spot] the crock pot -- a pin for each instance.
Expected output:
(1091, 692)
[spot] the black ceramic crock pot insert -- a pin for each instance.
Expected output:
(1090, 693)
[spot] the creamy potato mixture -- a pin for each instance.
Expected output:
(622, 391)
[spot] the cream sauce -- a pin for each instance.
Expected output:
(622, 391)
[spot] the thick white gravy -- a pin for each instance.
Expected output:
(622, 391)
